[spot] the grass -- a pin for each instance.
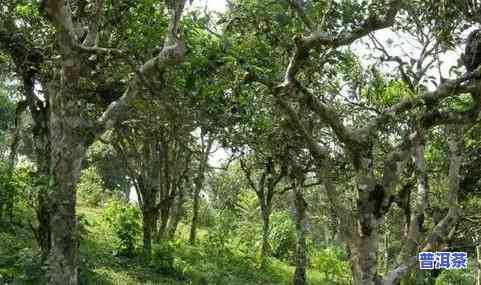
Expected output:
(199, 264)
(99, 263)
(202, 264)
(194, 265)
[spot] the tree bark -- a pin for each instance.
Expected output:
(366, 260)
(446, 224)
(42, 149)
(195, 215)
(386, 251)
(149, 218)
(177, 214)
(367, 241)
(165, 210)
(199, 181)
(150, 212)
(70, 132)
(416, 222)
(478, 263)
(39, 111)
(67, 152)
(265, 248)
(44, 232)
(265, 192)
(68, 138)
(301, 229)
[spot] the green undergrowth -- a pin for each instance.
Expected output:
(175, 262)
(19, 255)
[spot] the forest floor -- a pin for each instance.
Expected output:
(101, 266)
(194, 265)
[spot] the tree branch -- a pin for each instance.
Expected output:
(329, 116)
(455, 143)
(302, 14)
(320, 39)
(446, 89)
(60, 14)
(171, 53)
(92, 35)
(248, 174)
(318, 151)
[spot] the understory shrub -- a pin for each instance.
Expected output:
(332, 263)
(163, 258)
(20, 263)
(123, 219)
(448, 277)
(90, 187)
(282, 236)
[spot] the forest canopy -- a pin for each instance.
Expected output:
(262, 142)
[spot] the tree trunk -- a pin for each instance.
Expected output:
(39, 113)
(42, 149)
(44, 233)
(177, 214)
(70, 133)
(67, 156)
(69, 138)
(42, 146)
(199, 181)
(386, 251)
(366, 243)
(301, 228)
(265, 250)
(366, 260)
(195, 216)
(354, 264)
(478, 263)
(63, 262)
(416, 221)
(164, 221)
(445, 226)
(149, 218)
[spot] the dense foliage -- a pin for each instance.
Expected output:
(269, 142)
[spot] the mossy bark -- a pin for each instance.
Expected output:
(301, 229)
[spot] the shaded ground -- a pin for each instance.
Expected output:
(196, 265)
(101, 266)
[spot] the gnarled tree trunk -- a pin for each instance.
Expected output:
(478, 263)
(164, 217)
(68, 146)
(365, 245)
(67, 136)
(195, 215)
(150, 213)
(42, 148)
(177, 214)
(265, 216)
(198, 183)
(149, 219)
(301, 229)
